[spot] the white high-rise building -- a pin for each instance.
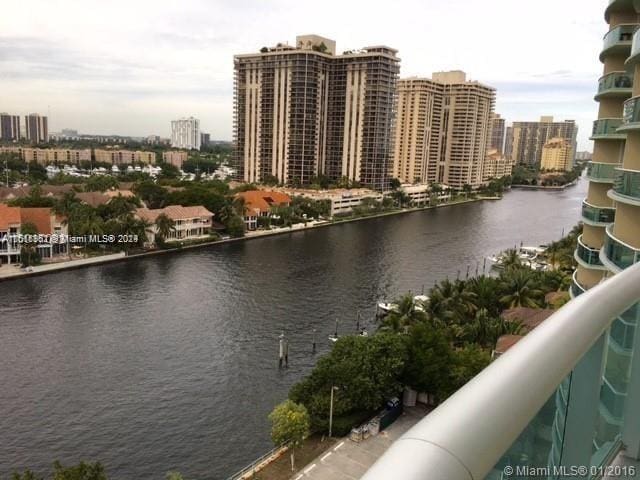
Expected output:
(185, 133)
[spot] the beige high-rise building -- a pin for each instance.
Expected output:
(525, 140)
(557, 155)
(418, 128)
(496, 165)
(443, 129)
(302, 111)
(610, 241)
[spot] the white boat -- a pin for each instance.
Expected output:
(418, 301)
(387, 307)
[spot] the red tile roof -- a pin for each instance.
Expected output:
(505, 342)
(529, 317)
(41, 218)
(261, 201)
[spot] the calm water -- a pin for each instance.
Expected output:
(170, 363)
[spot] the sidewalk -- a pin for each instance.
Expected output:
(349, 460)
(12, 271)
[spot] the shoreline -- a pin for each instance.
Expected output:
(122, 256)
(551, 188)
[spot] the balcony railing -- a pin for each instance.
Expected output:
(627, 184)
(615, 84)
(469, 434)
(602, 172)
(631, 114)
(623, 329)
(607, 129)
(597, 216)
(590, 256)
(618, 40)
(635, 50)
(576, 289)
(617, 254)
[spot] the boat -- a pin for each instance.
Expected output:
(385, 308)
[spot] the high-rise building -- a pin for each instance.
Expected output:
(610, 241)
(9, 127)
(185, 133)
(497, 133)
(36, 128)
(443, 129)
(305, 111)
(525, 140)
(557, 155)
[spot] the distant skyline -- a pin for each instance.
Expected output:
(129, 68)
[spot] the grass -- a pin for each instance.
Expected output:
(280, 469)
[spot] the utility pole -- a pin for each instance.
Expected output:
(333, 388)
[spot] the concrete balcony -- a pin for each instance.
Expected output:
(602, 172)
(615, 84)
(607, 129)
(588, 257)
(618, 41)
(597, 216)
(626, 188)
(617, 255)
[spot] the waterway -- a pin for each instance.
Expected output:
(170, 362)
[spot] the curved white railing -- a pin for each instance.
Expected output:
(468, 434)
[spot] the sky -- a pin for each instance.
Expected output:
(130, 67)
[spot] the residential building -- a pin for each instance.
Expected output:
(557, 155)
(46, 223)
(418, 136)
(36, 128)
(341, 200)
(44, 156)
(205, 139)
(124, 157)
(583, 156)
(525, 140)
(185, 133)
(189, 223)
(9, 127)
(175, 157)
(496, 165)
(610, 241)
(259, 203)
(498, 127)
(302, 111)
(443, 129)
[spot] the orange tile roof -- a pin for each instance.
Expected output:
(94, 199)
(40, 217)
(261, 201)
(9, 216)
(505, 342)
(16, 216)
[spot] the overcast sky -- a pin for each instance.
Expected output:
(129, 67)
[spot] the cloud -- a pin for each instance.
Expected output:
(129, 67)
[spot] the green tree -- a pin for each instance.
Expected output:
(520, 289)
(394, 184)
(28, 250)
(82, 471)
(164, 227)
(235, 226)
(27, 475)
(429, 359)
(466, 363)
(174, 476)
(290, 424)
(404, 316)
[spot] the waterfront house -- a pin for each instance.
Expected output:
(258, 203)
(46, 223)
(190, 223)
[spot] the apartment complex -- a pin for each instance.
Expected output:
(302, 111)
(443, 129)
(36, 128)
(496, 165)
(498, 129)
(175, 157)
(557, 155)
(44, 156)
(610, 241)
(9, 127)
(525, 140)
(124, 157)
(185, 133)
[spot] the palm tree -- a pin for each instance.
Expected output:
(29, 230)
(484, 293)
(164, 227)
(520, 289)
(404, 316)
(511, 259)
